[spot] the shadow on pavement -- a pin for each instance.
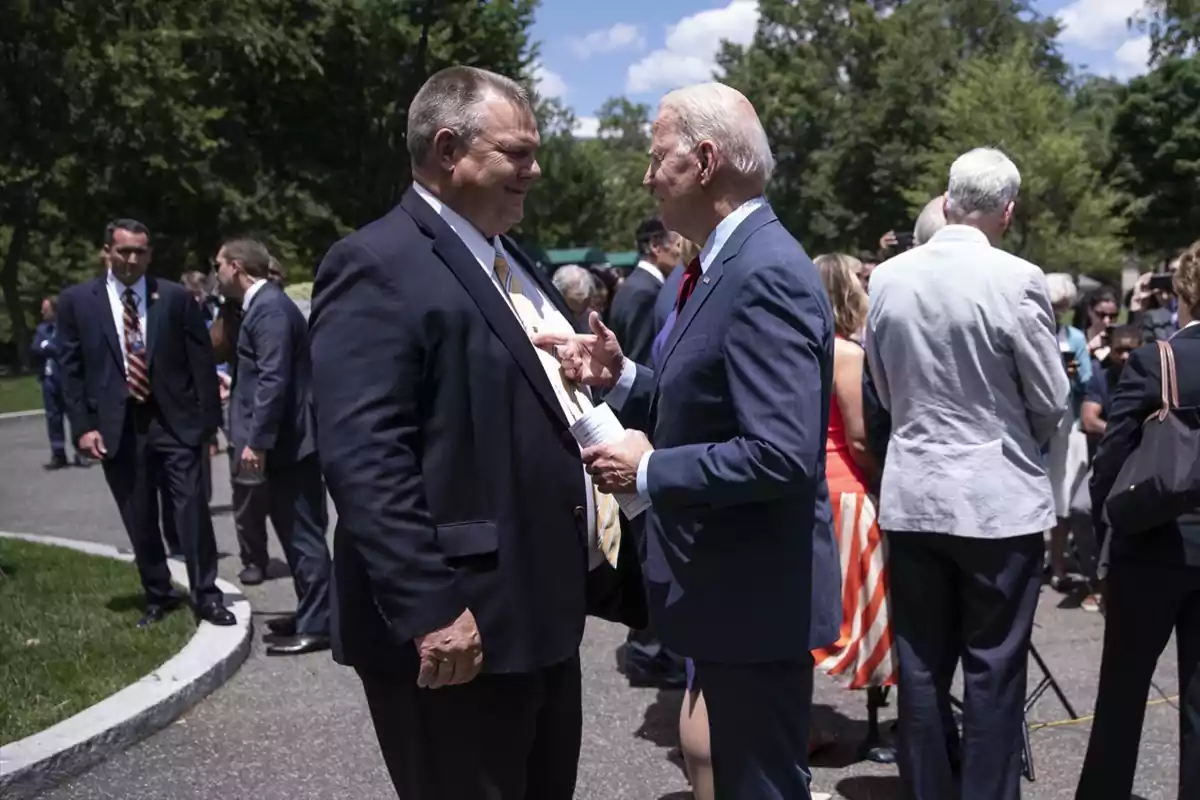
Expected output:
(871, 787)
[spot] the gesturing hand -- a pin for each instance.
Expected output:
(450, 655)
(593, 359)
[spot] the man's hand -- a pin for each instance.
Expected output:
(224, 383)
(1141, 292)
(593, 359)
(614, 466)
(252, 460)
(91, 444)
(450, 655)
(888, 241)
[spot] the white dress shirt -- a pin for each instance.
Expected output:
(708, 255)
(116, 301)
(253, 290)
(653, 270)
(485, 253)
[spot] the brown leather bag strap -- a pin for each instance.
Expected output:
(1170, 380)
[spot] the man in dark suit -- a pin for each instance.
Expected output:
(45, 357)
(740, 565)
(141, 393)
(632, 316)
(470, 542)
(1153, 583)
(273, 437)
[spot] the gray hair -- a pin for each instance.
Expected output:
(450, 99)
(575, 284)
(720, 114)
(1062, 289)
(982, 184)
(931, 220)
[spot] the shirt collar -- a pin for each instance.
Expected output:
(253, 290)
(961, 233)
(139, 289)
(725, 229)
(653, 270)
(483, 250)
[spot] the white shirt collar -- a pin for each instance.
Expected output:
(139, 289)
(961, 233)
(652, 269)
(483, 250)
(253, 290)
(725, 229)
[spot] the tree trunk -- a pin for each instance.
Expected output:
(10, 284)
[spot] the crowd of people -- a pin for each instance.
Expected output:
(847, 464)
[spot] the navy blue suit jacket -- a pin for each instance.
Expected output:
(272, 393)
(45, 351)
(740, 562)
(183, 376)
(447, 453)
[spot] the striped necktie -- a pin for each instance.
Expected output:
(574, 401)
(137, 377)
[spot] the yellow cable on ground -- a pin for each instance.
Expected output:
(1058, 723)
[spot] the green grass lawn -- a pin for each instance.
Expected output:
(21, 393)
(67, 634)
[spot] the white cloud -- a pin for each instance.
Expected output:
(1133, 58)
(1097, 23)
(586, 127)
(619, 37)
(690, 51)
(548, 82)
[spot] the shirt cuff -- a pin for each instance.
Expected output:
(617, 396)
(643, 477)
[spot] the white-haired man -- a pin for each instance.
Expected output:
(931, 220)
(961, 342)
(737, 412)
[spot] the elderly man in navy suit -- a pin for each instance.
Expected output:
(738, 559)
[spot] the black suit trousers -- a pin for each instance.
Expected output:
(295, 496)
(1146, 600)
(147, 453)
(499, 737)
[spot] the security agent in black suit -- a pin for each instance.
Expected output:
(273, 435)
(141, 393)
(463, 541)
(1153, 584)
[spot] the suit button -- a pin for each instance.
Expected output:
(580, 515)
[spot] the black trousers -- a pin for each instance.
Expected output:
(55, 405)
(499, 737)
(1146, 600)
(147, 453)
(956, 598)
(295, 496)
(758, 717)
(251, 507)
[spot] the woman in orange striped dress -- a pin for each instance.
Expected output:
(863, 653)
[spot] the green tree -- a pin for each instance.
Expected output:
(1173, 27)
(1067, 216)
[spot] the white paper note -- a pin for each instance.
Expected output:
(600, 426)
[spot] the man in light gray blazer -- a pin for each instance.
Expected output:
(961, 344)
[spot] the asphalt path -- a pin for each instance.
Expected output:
(298, 728)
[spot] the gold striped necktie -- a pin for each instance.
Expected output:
(137, 377)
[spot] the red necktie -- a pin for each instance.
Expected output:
(691, 276)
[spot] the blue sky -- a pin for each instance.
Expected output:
(642, 48)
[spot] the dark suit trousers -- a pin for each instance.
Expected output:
(1147, 600)
(758, 717)
(499, 737)
(296, 500)
(55, 405)
(147, 453)
(970, 599)
(251, 506)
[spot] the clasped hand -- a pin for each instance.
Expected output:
(450, 655)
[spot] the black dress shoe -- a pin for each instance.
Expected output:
(57, 461)
(298, 645)
(282, 626)
(215, 613)
(252, 575)
(156, 612)
(82, 461)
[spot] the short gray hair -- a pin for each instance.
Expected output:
(575, 284)
(720, 114)
(931, 220)
(1062, 289)
(982, 184)
(450, 99)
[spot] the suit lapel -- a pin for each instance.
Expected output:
(103, 309)
(497, 313)
(154, 315)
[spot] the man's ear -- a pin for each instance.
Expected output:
(707, 155)
(445, 147)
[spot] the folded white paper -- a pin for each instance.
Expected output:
(600, 426)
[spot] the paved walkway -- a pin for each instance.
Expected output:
(297, 729)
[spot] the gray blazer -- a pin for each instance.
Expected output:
(961, 345)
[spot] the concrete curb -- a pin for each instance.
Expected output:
(37, 412)
(36, 763)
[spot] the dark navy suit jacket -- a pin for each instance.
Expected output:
(272, 393)
(457, 482)
(183, 376)
(740, 562)
(45, 352)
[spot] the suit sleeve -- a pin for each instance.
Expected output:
(369, 373)
(1138, 396)
(1045, 387)
(80, 411)
(777, 397)
(270, 335)
(199, 350)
